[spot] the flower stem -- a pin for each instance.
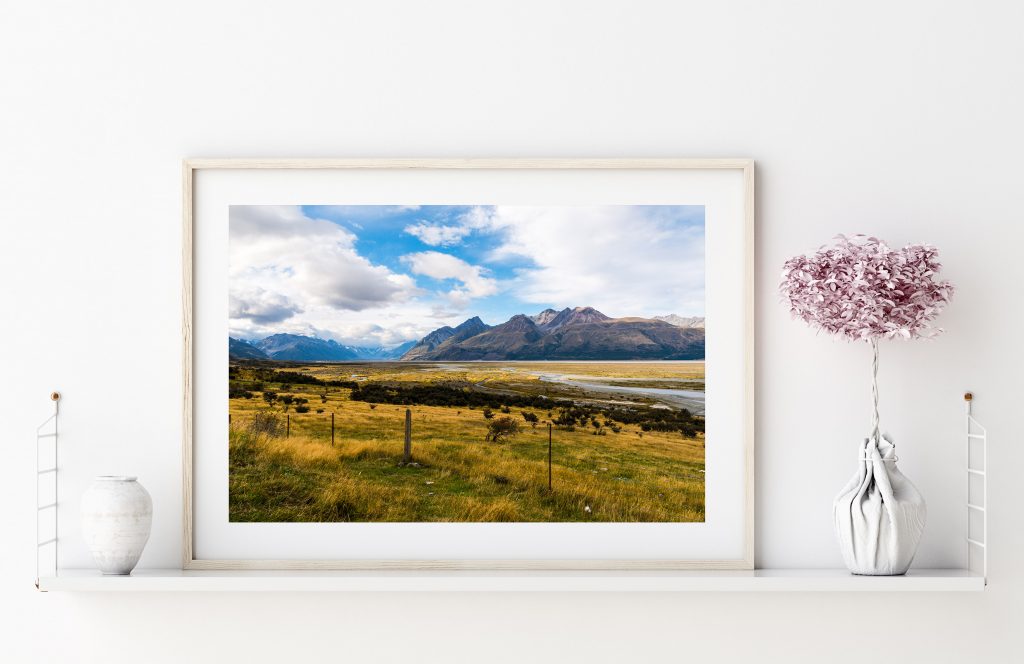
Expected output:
(874, 390)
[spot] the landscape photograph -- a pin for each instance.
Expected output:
(466, 363)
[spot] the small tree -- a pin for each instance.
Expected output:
(287, 400)
(531, 418)
(502, 428)
(565, 420)
(270, 397)
(301, 408)
(488, 413)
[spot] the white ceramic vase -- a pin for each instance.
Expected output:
(880, 514)
(117, 513)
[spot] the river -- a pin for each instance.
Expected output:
(692, 400)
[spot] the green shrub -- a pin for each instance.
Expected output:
(502, 428)
(237, 392)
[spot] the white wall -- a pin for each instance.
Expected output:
(898, 119)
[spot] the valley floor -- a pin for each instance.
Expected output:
(284, 467)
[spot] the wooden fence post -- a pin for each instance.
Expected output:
(549, 456)
(407, 455)
(288, 426)
(332, 429)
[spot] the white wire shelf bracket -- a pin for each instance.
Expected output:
(976, 450)
(46, 432)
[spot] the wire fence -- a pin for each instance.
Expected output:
(319, 424)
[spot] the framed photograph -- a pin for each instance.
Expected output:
(468, 364)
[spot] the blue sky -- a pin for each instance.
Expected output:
(380, 275)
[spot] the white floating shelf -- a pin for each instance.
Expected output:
(764, 580)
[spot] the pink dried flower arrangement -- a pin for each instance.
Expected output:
(859, 288)
(862, 290)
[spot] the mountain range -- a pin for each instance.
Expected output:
(300, 348)
(580, 333)
(680, 321)
(445, 336)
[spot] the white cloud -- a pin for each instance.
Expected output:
(282, 262)
(446, 235)
(315, 259)
(437, 235)
(623, 260)
(259, 306)
(472, 279)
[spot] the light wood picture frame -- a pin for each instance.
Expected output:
(740, 521)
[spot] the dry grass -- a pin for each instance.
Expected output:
(457, 475)
(475, 372)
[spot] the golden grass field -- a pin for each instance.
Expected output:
(457, 475)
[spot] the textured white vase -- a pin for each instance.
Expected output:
(880, 514)
(117, 513)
